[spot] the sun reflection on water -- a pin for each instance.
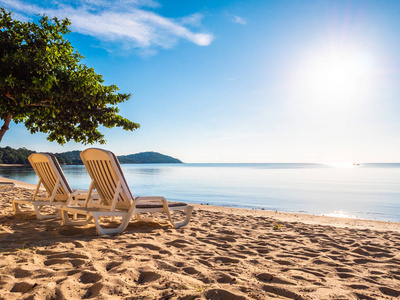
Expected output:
(343, 165)
(341, 214)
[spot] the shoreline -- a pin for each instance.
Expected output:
(308, 218)
(20, 184)
(284, 216)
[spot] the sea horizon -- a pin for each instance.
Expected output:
(364, 191)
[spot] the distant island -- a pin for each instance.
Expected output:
(13, 156)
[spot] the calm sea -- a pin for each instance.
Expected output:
(367, 191)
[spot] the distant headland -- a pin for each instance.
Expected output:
(11, 156)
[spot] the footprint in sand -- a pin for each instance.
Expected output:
(167, 266)
(376, 272)
(279, 291)
(337, 246)
(51, 255)
(23, 287)
(347, 270)
(362, 261)
(205, 262)
(145, 246)
(364, 297)
(226, 238)
(21, 273)
(306, 276)
(345, 275)
(226, 260)
(79, 244)
(179, 243)
(370, 280)
(72, 272)
(263, 250)
(112, 265)
(148, 277)
(225, 278)
(283, 262)
(389, 291)
(227, 232)
(312, 271)
(220, 294)
(93, 291)
(358, 286)
(266, 277)
(238, 255)
(190, 270)
(90, 277)
(75, 262)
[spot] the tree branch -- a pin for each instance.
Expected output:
(38, 105)
(41, 104)
(4, 128)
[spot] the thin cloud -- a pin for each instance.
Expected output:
(125, 22)
(21, 17)
(192, 20)
(237, 19)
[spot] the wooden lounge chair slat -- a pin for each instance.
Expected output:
(101, 181)
(109, 183)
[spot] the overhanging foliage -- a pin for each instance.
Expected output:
(44, 85)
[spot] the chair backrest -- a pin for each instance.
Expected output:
(107, 176)
(49, 171)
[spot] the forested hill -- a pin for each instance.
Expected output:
(9, 155)
(147, 158)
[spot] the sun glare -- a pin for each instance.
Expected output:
(338, 73)
(343, 165)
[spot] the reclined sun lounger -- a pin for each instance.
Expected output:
(58, 191)
(116, 199)
(6, 186)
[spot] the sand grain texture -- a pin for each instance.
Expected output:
(222, 254)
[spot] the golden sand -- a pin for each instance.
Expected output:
(223, 253)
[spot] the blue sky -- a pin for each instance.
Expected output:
(240, 81)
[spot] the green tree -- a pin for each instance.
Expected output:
(9, 155)
(44, 85)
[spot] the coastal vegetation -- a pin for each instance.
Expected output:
(9, 155)
(147, 157)
(44, 85)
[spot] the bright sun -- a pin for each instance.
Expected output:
(338, 73)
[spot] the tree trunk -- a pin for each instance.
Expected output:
(4, 128)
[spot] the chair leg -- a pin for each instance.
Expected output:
(105, 231)
(41, 216)
(74, 221)
(16, 208)
(188, 210)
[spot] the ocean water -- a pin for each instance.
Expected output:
(367, 191)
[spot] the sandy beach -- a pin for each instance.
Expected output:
(224, 253)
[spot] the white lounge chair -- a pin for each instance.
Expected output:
(58, 191)
(116, 199)
(6, 186)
